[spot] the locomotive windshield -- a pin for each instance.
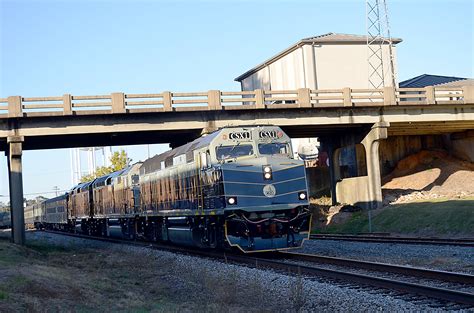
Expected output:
(273, 148)
(230, 152)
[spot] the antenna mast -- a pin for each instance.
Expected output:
(378, 37)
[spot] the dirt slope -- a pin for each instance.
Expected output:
(429, 175)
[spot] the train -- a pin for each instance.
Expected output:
(5, 219)
(237, 187)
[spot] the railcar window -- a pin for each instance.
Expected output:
(273, 148)
(230, 152)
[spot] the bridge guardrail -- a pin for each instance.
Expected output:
(117, 103)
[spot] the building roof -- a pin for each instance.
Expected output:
(344, 38)
(428, 80)
(329, 38)
(459, 83)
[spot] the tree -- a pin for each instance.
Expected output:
(118, 160)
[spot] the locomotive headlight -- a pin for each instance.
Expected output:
(232, 200)
(267, 172)
(302, 195)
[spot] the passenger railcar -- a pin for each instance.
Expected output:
(33, 215)
(238, 186)
(55, 212)
(5, 220)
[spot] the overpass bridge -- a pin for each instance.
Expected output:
(339, 116)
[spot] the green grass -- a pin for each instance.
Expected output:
(46, 248)
(3, 295)
(434, 217)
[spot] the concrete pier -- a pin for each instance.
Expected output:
(15, 176)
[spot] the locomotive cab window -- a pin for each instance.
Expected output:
(273, 148)
(235, 151)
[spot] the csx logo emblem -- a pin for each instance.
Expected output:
(269, 191)
(268, 134)
(240, 135)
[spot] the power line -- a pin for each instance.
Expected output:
(38, 193)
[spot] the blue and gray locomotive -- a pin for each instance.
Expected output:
(236, 187)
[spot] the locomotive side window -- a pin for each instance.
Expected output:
(273, 148)
(230, 152)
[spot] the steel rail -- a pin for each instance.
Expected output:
(286, 267)
(403, 240)
(383, 267)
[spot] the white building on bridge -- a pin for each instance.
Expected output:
(329, 61)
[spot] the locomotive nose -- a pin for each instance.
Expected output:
(263, 182)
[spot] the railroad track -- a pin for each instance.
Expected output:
(396, 277)
(388, 239)
(304, 265)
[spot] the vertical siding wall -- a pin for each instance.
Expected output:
(327, 66)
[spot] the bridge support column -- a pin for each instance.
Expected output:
(330, 144)
(15, 176)
(332, 174)
(371, 144)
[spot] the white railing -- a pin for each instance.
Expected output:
(120, 103)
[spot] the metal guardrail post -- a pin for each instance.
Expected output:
(304, 98)
(67, 103)
(346, 94)
(15, 107)
(214, 100)
(167, 101)
(259, 99)
(118, 102)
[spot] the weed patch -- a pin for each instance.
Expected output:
(3, 295)
(45, 248)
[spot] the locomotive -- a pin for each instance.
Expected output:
(236, 187)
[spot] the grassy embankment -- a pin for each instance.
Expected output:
(45, 277)
(439, 217)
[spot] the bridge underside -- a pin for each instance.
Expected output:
(181, 127)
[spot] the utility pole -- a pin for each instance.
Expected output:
(56, 189)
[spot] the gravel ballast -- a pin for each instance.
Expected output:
(205, 284)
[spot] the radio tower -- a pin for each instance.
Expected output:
(381, 74)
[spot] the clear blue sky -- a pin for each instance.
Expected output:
(49, 48)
